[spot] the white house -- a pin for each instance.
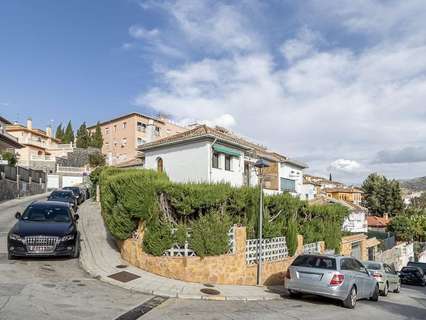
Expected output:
(213, 155)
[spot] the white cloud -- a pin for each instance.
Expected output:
(338, 103)
(345, 165)
(139, 32)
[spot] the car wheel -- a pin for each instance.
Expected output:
(398, 288)
(10, 256)
(294, 294)
(351, 299)
(385, 290)
(76, 252)
(375, 296)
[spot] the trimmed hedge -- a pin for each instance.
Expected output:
(131, 195)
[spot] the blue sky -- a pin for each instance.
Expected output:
(340, 85)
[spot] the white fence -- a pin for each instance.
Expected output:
(79, 170)
(311, 248)
(185, 251)
(274, 249)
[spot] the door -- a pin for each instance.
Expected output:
(356, 250)
(391, 276)
(364, 278)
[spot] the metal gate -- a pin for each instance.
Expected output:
(68, 181)
(52, 181)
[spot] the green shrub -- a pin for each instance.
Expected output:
(181, 234)
(209, 234)
(291, 238)
(157, 238)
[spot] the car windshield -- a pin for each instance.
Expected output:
(372, 265)
(410, 270)
(46, 214)
(315, 262)
(58, 194)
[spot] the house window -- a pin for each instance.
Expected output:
(106, 130)
(115, 128)
(157, 131)
(141, 127)
(140, 141)
(123, 141)
(288, 185)
(215, 160)
(124, 125)
(160, 165)
(228, 163)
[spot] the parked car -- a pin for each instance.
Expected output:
(78, 193)
(386, 276)
(342, 278)
(421, 265)
(412, 275)
(64, 196)
(46, 228)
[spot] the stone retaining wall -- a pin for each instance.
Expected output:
(224, 269)
(9, 189)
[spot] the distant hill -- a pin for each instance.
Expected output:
(416, 184)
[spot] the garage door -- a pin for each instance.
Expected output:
(52, 181)
(68, 181)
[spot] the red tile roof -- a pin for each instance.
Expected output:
(377, 222)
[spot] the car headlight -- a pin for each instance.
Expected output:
(68, 237)
(14, 236)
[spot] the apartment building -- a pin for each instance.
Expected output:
(40, 148)
(7, 141)
(122, 135)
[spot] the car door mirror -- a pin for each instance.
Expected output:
(76, 217)
(18, 215)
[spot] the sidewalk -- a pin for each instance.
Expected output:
(100, 257)
(13, 202)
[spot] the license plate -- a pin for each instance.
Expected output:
(39, 249)
(310, 276)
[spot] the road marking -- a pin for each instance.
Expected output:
(142, 309)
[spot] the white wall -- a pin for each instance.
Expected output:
(308, 192)
(355, 222)
(234, 176)
(292, 172)
(182, 163)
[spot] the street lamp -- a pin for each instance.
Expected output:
(260, 165)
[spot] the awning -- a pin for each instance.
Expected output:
(226, 150)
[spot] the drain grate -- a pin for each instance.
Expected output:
(142, 309)
(123, 276)
(212, 292)
(121, 266)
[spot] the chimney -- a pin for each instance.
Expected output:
(149, 133)
(29, 124)
(49, 131)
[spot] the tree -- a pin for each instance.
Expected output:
(419, 202)
(83, 138)
(69, 134)
(382, 195)
(330, 178)
(96, 139)
(59, 134)
(9, 157)
(96, 159)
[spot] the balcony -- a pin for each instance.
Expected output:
(42, 158)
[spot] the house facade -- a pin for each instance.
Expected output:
(8, 142)
(353, 195)
(122, 135)
(214, 155)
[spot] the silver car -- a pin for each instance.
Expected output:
(385, 275)
(342, 278)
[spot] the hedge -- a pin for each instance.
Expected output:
(208, 210)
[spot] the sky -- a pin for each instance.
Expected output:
(340, 85)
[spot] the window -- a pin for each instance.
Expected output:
(215, 160)
(310, 261)
(157, 131)
(140, 141)
(124, 125)
(123, 141)
(106, 130)
(141, 126)
(115, 128)
(160, 165)
(288, 185)
(227, 163)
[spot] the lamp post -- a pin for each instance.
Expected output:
(260, 165)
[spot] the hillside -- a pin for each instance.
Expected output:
(416, 184)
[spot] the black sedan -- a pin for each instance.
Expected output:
(64, 196)
(46, 228)
(412, 275)
(78, 193)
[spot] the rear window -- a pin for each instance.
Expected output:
(59, 194)
(418, 264)
(315, 262)
(410, 270)
(372, 266)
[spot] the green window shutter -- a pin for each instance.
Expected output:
(226, 150)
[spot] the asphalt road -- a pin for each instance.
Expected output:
(59, 289)
(54, 288)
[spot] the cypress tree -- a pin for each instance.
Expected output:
(59, 133)
(96, 139)
(82, 138)
(69, 134)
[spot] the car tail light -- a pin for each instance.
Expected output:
(377, 275)
(337, 279)
(287, 274)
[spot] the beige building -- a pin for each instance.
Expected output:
(7, 142)
(122, 135)
(40, 147)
